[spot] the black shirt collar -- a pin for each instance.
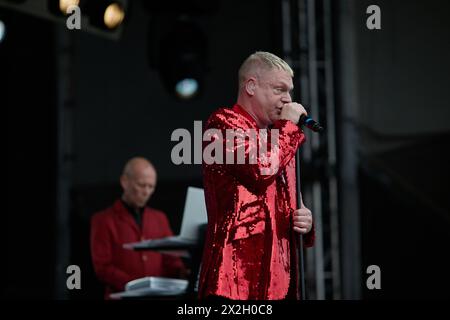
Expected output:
(136, 213)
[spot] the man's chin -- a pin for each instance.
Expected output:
(142, 204)
(276, 118)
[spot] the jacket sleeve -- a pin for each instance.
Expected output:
(262, 162)
(101, 252)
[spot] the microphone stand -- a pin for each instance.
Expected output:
(316, 127)
(300, 261)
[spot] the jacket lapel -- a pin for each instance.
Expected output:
(125, 216)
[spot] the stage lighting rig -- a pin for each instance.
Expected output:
(100, 17)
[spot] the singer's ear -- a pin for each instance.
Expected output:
(250, 86)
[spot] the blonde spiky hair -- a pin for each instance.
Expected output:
(261, 60)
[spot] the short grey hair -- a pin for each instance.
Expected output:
(261, 60)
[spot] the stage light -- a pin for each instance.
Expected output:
(59, 7)
(65, 4)
(186, 88)
(2, 31)
(182, 60)
(107, 15)
(114, 15)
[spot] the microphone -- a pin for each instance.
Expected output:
(311, 124)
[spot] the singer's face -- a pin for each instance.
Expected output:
(273, 91)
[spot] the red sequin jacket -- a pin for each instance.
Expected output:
(250, 250)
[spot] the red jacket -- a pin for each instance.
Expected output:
(113, 264)
(250, 244)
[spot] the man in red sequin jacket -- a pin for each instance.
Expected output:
(250, 188)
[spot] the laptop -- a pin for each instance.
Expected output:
(194, 215)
